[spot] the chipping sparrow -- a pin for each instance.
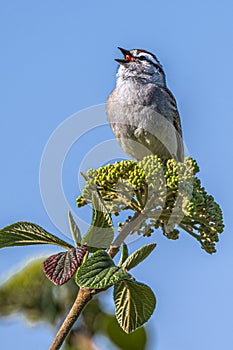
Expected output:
(142, 111)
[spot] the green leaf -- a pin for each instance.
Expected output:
(27, 233)
(139, 255)
(124, 254)
(74, 229)
(99, 271)
(101, 232)
(135, 303)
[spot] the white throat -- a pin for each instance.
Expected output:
(128, 75)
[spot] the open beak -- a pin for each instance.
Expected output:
(127, 56)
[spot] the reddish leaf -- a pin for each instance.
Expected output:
(59, 268)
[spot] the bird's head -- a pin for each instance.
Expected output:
(140, 65)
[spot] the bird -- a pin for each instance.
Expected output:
(142, 111)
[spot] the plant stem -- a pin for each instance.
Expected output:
(83, 298)
(137, 219)
(185, 228)
(127, 229)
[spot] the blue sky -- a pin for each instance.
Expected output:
(57, 58)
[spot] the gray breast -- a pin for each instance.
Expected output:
(139, 123)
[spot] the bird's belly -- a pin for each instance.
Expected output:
(142, 130)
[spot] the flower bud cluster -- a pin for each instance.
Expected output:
(169, 195)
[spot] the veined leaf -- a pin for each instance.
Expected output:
(99, 271)
(135, 303)
(59, 268)
(139, 255)
(27, 233)
(124, 254)
(74, 229)
(101, 232)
